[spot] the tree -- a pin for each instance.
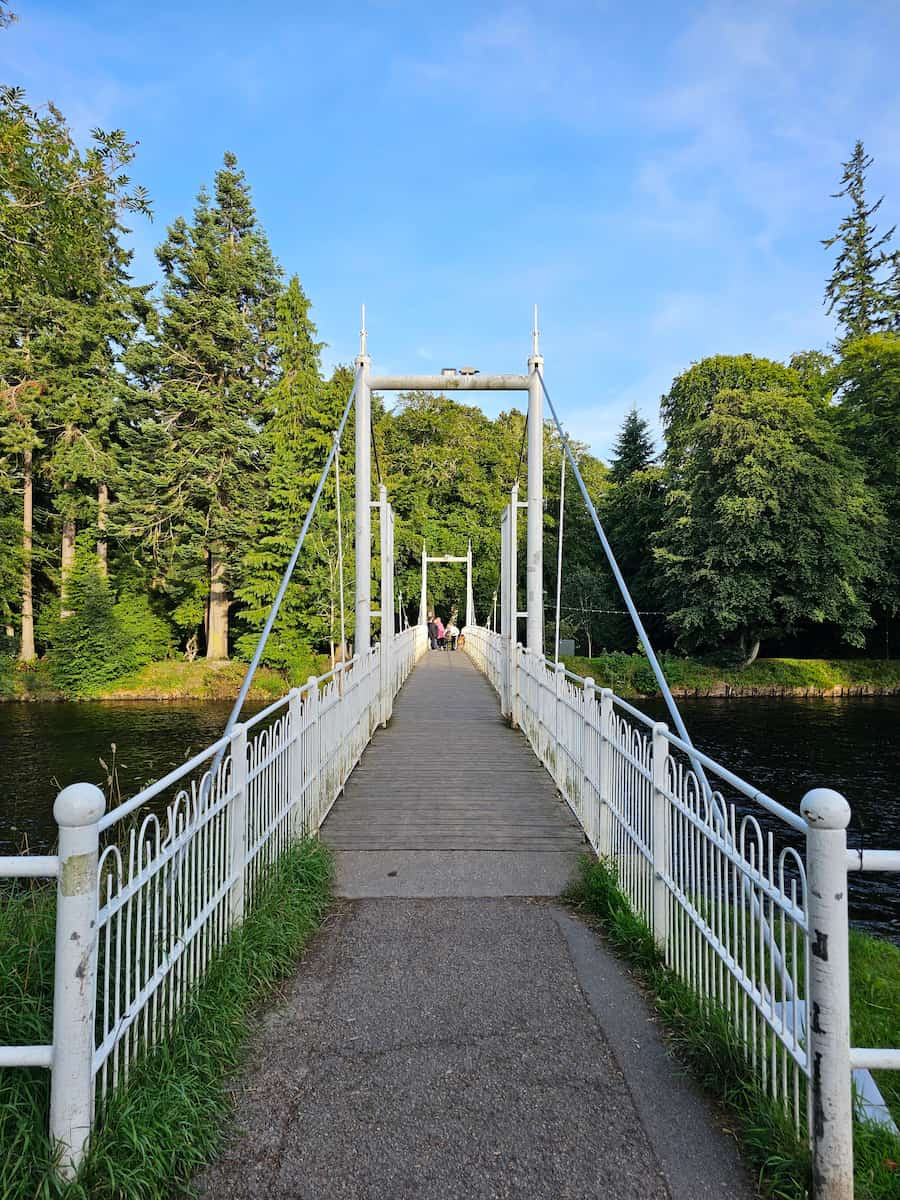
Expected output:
(867, 381)
(304, 412)
(196, 491)
(855, 289)
(63, 287)
(814, 371)
(693, 393)
(768, 526)
(634, 449)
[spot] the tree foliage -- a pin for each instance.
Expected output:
(196, 479)
(768, 525)
(856, 291)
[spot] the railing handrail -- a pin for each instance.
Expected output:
(794, 820)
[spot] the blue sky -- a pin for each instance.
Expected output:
(655, 175)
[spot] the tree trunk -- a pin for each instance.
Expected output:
(590, 652)
(102, 545)
(750, 655)
(67, 561)
(217, 633)
(26, 647)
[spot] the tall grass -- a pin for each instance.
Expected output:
(156, 1133)
(704, 1037)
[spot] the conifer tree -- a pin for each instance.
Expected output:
(64, 296)
(303, 414)
(634, 449)
(196, 485)
(856, 291)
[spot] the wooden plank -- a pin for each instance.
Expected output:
(449, 774)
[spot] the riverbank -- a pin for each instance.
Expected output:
(169, 680)
(630, 675)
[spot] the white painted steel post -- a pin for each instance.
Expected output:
(363, 515)
(237, 815)
(827, 814)
(512, 565)
(387, 604)
(534, 572)
(423, 597)
(77, 810)
(505, 706)
(604, 787)
(660, 844)
(316, 788)
(516, 674)
(470, 595)
(295, 717)
(589, 809)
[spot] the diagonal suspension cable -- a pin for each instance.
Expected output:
(626, 596)
(697, 767)
(562, 510)
(337, 498)
(289, 570)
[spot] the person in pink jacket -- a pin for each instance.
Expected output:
(441, 635)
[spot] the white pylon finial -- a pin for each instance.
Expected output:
(362, 334)
(535, 335)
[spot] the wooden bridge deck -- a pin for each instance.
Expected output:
(449, 801)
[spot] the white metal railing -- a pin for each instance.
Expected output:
(148, 893)
(739, 913)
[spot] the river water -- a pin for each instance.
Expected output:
(782, 746)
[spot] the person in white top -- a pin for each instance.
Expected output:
(452, 633)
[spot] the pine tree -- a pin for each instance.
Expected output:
(634, 450)
(195, 487)
(855, 290)
(304, 413)
(64, 294)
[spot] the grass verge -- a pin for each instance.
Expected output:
(704, 1038)
(172, 679)
(630, 675)
(157, 1133)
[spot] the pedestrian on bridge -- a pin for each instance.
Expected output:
(441, 633)
(432, 634)
(452, 634)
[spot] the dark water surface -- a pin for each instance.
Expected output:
(782, 746)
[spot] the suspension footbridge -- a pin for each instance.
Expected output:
(447, 1038)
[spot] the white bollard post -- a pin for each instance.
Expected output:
(660, 844)
(77, 810)
(589, 810)
(604, 849)
(237, 818)
(827, 814)
(295, 716)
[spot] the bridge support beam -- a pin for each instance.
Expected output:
(423, 597)
(534, 570)
(509, 603)
(470, 595)
(386, 546)
(363, 520)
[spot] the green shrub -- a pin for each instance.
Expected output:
(89, 646)
(147, 636)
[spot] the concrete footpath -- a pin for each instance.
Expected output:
(449, 1035)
